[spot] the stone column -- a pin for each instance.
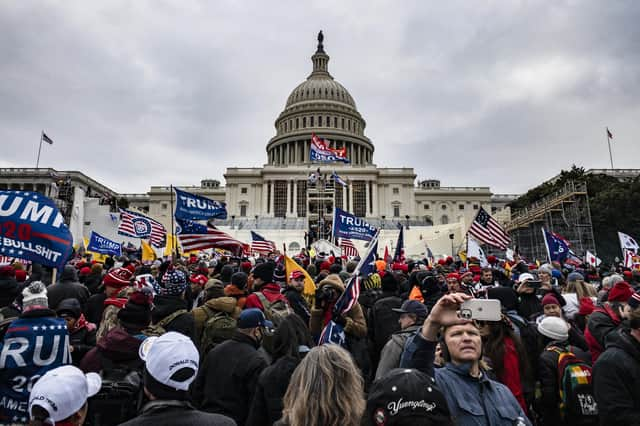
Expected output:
(263, 204)
(350, 205)
(295, 198)
(273, 187)
(344, 196)
(289, 201)
(366, 199)
(374, 198)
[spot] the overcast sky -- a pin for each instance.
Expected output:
(490, 93)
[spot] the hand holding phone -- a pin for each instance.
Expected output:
(481, 310)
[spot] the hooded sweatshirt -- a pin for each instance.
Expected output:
(356, 324)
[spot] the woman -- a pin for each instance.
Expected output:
(292, 342)
(575, 290)
(60, 396)
(316, 393)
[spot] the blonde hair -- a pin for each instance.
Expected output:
(580, 288)
(326, 389)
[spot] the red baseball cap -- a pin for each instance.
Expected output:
(199, 279)
(294, 275)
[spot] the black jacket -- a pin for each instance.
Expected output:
(95, 307)
(298, 303)
(162, 412)
(267, 404)
(165, 306)
(93, 282)
(8, 291)
(383, 321)
(600, 325)
(228, 377)
(616, 376)
(67, 288)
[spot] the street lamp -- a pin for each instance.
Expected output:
(256, 221)
(451, 236)
(233, 218)
(407, 217)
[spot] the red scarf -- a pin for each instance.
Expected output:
(83, 323)
(119, 302)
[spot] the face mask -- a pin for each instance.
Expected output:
(259, 336)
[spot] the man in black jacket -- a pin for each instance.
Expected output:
(293, 293)
(171, 364)
(383, 317)
(171, 310)
(228, 377)
(68, 288)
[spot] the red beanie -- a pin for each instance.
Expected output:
(452, 276)
(442, 262)
(118, 277)
(586, 306)
(21, 275)
(492, 259)
(85, 270)
(550, 299)
(324, 266)
(621, 292)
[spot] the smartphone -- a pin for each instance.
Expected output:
(481, 310)
(534, 284)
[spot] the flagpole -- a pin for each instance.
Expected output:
(608, 142)
(39, 149)
(173, 238)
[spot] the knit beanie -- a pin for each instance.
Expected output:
(225, 274)
(35, 295)
(118, 277)
(264, 271)
(136, 313)
(586, 306)
(279, 274)
(575, 276)
(239, 279)
(550, 299)
(214, 289)
(554, 328)
(621, 292)
(175, 283)
(546, 268)
(389, 283)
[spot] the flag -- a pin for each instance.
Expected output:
(320, 151)
(386, 254)
(100, 258)
(348, 249)
(486, 229)
(592, 260)
(557, 247)
(346, 225)
(628, 258)
(398, 256)
(429, 256)
(137, 225)
(148, 253)
(291, 265)
(47, 139)
(261, 245)
(102, 245)
(338, 179)
(628, 243)
(195, 236)
(365, 267)
(332, 333)
(171, 243)
(474, 250)
(196, 207)
(609, 134)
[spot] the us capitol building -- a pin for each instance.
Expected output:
(279, 200)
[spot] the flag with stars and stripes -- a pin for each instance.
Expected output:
(137, 225)
(30, 348)
(260, 244)
(486, 229)
(195, 236)
(348, 249)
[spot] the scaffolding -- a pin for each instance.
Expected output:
(565, 212)
(321, 198)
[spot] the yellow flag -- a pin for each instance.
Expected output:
(95, 256)
(291, 265)
(168, 249)
(312, 252)
(148, 253)
(462, 255)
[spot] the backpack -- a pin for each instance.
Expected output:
(121, 395)
(575, 381)
(275, 311)
(159, 329)
(218, 327)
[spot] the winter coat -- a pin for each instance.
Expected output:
(109, 320)
(270, 291)
(164, 412)
(118, 346)
(548, 378)
(93, 281)
(267, 404)
(392, 351)
(236, 293)
(164, 306)
(8, 291)
(356, 324)
(298, 304)
(83, 335)
(383, 321)
(228, 377)
(95, 306)
(471, 401)
(616, 375)
(68, 288)
(220, 304)
(601, 323)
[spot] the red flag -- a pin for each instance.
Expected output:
(386, 253)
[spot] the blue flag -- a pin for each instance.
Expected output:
(346, 225)
(102, 245)
(196, 207)
(398, 256)
(338, 179)
(33, 229)
(332, 333)
(557, 247)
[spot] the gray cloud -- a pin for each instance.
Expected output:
(158, 92)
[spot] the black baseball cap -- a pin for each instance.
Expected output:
(406, 397)
(412, 307)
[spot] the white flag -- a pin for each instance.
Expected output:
(592, 259)
(627, 242)
(474, 250)
(628, 258)
(509, 254)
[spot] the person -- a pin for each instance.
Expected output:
(324, 376)
(412, 315)
(68, 288)
(33, 344)
(171, 364)
(93, 280)
(473, 398)
(82, 334)
(383, 317)
(555, 332)
(8, 285)
(215, 302)
(406, 397)
(551, 307)
(616, 373)
(292, 342)
(573, 292)
(607, 284)
(293, 293)
(453, 282)
(227, 380)
(264, 288)
(102, 308)
(486, 278)
(171, 310)
(328, 292)
(60, 396)
(238, 288)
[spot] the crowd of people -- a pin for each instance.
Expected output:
(218, 340)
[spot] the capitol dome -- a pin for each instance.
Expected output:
(322, 106)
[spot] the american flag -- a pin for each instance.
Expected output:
(487, 230)
(348, 249)
(136, 225)
(194, 236)
(261, 245)
(398, 256)
(352, 291)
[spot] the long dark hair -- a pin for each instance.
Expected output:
(494, 347)
(289, 336)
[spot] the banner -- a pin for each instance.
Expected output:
(557, 247)
(474, 250)
(32, 228)
(102, 245)
(290, 265)
(628, 243)
(148, 253)
(321, 152)
(196, 207)
(346, 225)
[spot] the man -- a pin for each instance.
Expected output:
(486, 278)
(82, 334)
(383, 316)
(227, 380)
(68, 288)
(472, 397)
(114, 282)
(216, 304)
(264, 287)
(412, 315)
(616, 374)
(170, 310)
(293, 293)
(453, 282)
(170, 365)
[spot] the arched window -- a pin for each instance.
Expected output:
(297, 123)
(311, 120)
(335, 122)
(304, 122)
(444, 220)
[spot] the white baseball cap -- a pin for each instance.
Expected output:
(167, 354)
(526, 277)
(63, 391)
